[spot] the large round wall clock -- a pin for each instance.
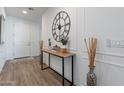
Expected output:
(61, 26)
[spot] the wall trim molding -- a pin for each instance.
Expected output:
(106, 62)
(72, 49)
(108, 53)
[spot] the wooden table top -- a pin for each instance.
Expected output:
(58, 53)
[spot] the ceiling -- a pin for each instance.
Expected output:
(33, 14)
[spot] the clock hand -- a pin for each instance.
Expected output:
(62, 26)
(65, 24)
(55, 28)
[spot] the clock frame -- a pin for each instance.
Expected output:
(61, 26)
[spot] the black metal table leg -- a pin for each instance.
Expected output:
(63, 71)
(49, 59)
(72, 70)
(42, 68)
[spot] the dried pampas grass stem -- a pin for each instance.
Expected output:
(91, 49)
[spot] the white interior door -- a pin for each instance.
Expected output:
(22, 40)
(35, 38)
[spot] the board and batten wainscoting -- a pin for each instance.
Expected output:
(102, 23)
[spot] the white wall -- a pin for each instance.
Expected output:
(2, 46)
(34, 35)
(47, 20)
(103, 23)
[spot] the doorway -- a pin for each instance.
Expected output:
(26, 39)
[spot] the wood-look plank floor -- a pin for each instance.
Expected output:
(27, 72)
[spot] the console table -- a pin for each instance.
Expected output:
(61, 55)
